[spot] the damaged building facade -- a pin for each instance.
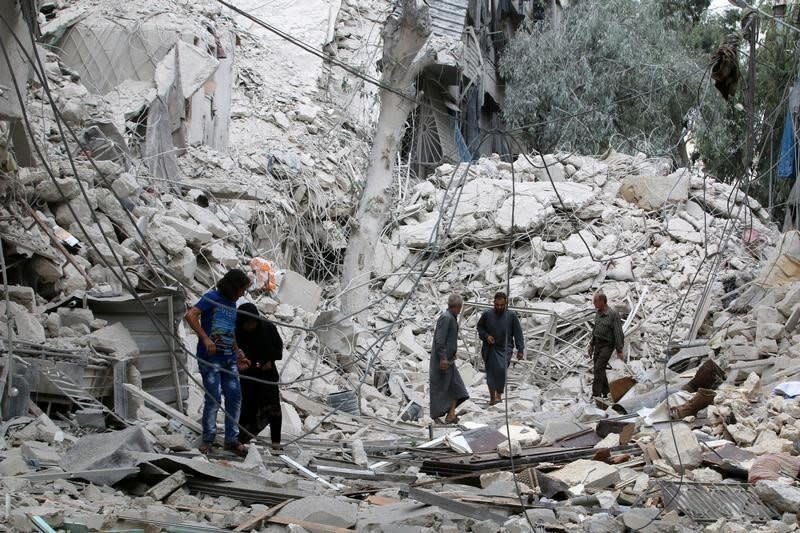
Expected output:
(203, 142)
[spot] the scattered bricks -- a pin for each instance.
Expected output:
(167, 486)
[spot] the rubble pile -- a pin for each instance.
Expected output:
(260, 167)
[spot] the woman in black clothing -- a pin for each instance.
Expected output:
(262, 345)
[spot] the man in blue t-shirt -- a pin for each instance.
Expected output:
(213, 319)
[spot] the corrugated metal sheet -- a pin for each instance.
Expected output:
(448, 17)
(708, 502)
(155, 360)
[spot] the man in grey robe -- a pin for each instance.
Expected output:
(447, 388)
(501, 332)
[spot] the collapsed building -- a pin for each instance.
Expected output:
(189, 158)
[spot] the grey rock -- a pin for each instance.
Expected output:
(639, 518)
(337, 512)
(72, 316)
(114, 339)
(690, 454)
(781, 497)
(58, 190)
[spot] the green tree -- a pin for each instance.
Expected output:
(611, 73)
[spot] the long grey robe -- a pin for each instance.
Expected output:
(446, 385)
(507, 333)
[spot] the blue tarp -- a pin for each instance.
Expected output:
(786, 163)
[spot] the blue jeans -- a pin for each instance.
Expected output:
(221, 378)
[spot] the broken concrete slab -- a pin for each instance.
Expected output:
(24, 296)
(778, 495)
(688, 453)
(653, 192)
(114, 339)
(167, 486)
(114, 452)
(298, 291)
(590, 474)
(337, 512)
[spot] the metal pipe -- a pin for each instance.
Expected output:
(9, 370)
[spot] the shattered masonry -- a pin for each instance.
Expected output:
(209, 143)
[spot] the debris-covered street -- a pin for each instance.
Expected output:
(152, 151)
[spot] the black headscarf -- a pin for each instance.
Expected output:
(263, 343)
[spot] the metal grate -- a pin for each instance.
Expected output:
(708, 502)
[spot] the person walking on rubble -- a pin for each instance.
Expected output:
(213, 319)
(606, 337)
(259, 340)
(446, 386)
(501, 332)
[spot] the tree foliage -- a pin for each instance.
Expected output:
(723, 135)
(611, 73)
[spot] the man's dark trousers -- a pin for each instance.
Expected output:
(601, 356)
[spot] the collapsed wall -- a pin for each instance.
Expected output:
(694, 265)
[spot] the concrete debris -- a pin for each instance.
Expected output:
(212, 143)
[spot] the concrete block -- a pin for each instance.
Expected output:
(40, 453)
(175, 442)
(514, 450)
(782, 497)
(125, 185)
(194, 233)
(70, 317)
(27, 326)
(13, 465)
(184, 265)
(688, 453)
(652, 192)
(298, 291)
(167, 486)
(788, 303)
(337, 512)
(24, 296)
(114, 339)
(224, 254)
(682, 231)
(307, 113)
(591, 474)
(60, 190)
(389, 258)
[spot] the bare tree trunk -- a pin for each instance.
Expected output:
(403, 37)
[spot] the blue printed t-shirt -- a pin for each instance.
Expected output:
(218, 320)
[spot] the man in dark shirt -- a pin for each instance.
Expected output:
(607, 337)
(501, 332)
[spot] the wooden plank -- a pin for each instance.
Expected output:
(311, 526)
(252, 523)
(157, 404)
(381, 500)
